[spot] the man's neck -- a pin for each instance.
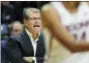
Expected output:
(35, 35)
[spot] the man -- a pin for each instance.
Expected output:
(15, 27)
(30, 44)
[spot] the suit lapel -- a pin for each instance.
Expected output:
(27, 45)
(40, 47)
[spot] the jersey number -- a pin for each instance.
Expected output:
(82, 37)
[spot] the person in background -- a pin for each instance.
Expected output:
(15, 27)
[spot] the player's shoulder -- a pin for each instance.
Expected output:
(47, 6)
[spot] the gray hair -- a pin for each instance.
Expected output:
(27, 11)
(15, 22)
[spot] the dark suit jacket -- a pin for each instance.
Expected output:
(20, 46)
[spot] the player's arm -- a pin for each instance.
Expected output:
(50, 16)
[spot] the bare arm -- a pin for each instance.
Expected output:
(51, 17)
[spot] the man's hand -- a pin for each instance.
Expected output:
(29, 59)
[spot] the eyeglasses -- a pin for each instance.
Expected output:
(35, 18)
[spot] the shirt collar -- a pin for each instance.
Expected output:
(30, 35)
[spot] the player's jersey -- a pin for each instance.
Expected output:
(76, 23)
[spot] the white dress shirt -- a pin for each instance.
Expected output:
(34, 42)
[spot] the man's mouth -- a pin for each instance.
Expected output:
(36, 25)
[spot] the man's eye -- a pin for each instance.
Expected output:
(35, 18)
(38, 18)
(32, 18)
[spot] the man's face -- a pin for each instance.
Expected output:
(34, 23)
(17, 29)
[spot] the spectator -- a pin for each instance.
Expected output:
(15, 28)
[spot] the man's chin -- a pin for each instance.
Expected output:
(37, 29)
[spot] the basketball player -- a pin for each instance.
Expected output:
(67, 20)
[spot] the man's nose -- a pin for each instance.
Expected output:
(37, 20)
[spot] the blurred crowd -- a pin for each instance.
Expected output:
(12, 11)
